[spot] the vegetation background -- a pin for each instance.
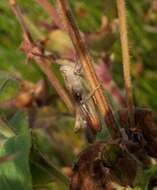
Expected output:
(52, 137)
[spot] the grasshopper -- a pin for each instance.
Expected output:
(86, 116)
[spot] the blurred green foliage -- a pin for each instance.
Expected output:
(61, 146)
(15, 174)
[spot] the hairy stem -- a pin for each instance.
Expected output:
(126, 60)
(87, 64)
(30, 48)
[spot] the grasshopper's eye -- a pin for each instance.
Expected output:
(75, 166)
(77, 96)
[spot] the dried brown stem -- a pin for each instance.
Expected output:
(87, 64)
(34, 51)
(45, 67)
(52, 12)
(126, 59)
(17, 12)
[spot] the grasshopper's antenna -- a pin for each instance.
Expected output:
(126, 60)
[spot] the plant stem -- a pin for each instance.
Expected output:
(43, 62)
(45, 67)
(18, 14)
(52, 12)
(87, 64)
(126, 60)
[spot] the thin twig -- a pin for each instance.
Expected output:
(87, 64)
(17, 12)
(52, 12)
(44, 65)
(34, 51)
(126, 59)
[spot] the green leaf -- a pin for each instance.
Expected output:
(8, 86)
(49, 171)
(15, 173)
(145, 177)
